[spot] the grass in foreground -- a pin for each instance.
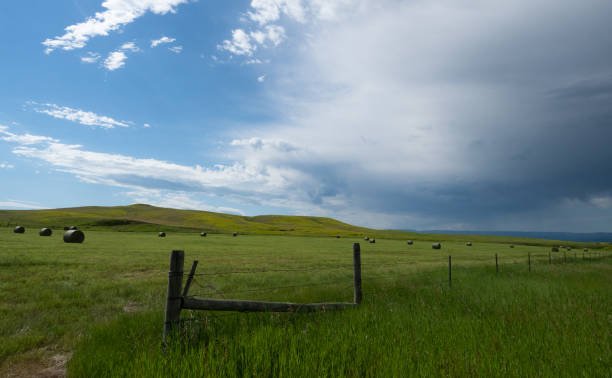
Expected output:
(555, 322)
(52, 295)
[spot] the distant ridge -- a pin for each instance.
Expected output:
(147, 218)
(593, 237)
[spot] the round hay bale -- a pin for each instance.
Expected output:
(436, 246)
(569, 248)
(372, 241)
(202, 234)
(161, 234)
(19, 230)
(73, 228)
(585, 249)
(555, 249)
(366, 238)
(469, 244)
(337, 236)
(511, 245)
(409, 242)
(74, 236)
(45, 232)
(235, 234)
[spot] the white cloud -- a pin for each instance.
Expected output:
(176, 200)
(240, 44)
(77, 115)
(5, 165)
(115, 60)
(16, 204)
(117, 14)
(162, 40)
(261, 78)
(130, 46)
(26, 139)
(275, 33)
(266, 11)
(147, 125)
(91, 57)
(176, 49)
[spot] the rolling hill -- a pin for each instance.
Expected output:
(141, 217)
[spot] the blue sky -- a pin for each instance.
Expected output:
(391, 114)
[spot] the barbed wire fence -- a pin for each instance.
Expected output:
(202, 293)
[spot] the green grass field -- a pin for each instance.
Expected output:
(100, 304)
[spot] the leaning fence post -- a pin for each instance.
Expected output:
(190, 278)
(175, 283)
(450, 278)
(357, 274)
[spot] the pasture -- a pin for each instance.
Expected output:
(100, 305)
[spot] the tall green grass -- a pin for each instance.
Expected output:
(553, 322)
(107, 297)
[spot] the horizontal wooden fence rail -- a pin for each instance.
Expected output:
(178, 298)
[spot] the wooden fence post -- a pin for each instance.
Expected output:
(358, 295)
(496, 265)
(564, 257)
(529, 260)
(549, 258)
(450, 278)
(174, 299)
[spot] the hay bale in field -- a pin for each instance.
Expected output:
(469, 244)
(19, 230)
(436, 246)
(202, 234)
(73, 228)
(45, 232)
(555, 249)
(585, 249)
(366, 238)
(372, 241)
(337, 236)
(161, 235)
(74, 236)
(511, 245)
(569, 248)
(235, 234)
(409, 242)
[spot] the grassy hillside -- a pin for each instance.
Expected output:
(142, 218)
(151, 218)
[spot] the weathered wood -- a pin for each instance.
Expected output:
(496, 265)
(190, 278)
(358, 295)
(450, 272)
(193, 303)
(174, 299)
(529, 260)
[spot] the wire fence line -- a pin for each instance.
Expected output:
(433, 272)
(375, 272)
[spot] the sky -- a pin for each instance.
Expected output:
(415, 114)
